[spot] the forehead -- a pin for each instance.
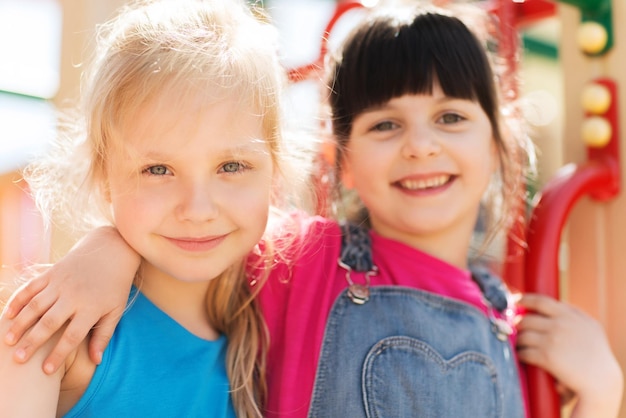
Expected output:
(170, 121)
(394, 56)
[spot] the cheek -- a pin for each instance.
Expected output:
(132, 205)
(487, 166)
(360, 164)
(124, 209)
(254, 199)
(494, 164)
(247, 199)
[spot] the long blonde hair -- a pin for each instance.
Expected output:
(190, 47)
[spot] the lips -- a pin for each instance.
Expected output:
(197, 244)
(427, 183)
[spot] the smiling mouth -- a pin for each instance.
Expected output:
(197, 244)
(425, 184)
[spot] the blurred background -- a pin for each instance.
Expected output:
(43, 42)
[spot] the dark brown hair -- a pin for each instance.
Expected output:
(394, 53)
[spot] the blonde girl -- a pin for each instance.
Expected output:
(178, 145)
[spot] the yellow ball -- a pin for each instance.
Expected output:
(592, 37)
(596, 131)
(596, 99)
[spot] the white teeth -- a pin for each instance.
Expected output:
(426, 183)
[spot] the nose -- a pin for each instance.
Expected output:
(420, 142)
(197, 202)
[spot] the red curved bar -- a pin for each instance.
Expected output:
(599, 178)
(543, 238)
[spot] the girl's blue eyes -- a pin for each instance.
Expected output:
(157, 170)
(233, 167)
(230, 167)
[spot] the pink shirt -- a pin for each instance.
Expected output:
(296, 302)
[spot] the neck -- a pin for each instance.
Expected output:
(451, 246)
(454, 252)
(185, 302)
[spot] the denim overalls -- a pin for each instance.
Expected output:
(402, 352)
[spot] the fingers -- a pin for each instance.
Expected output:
(561, 317)
(539, 348)
(536, 330)
(571, 346)
(30, 314)
(73, 335)
(101, 335)
(23, 296)
(532, 356)
(75, 332)
(51, 322)
(533, 322)
(541, 304)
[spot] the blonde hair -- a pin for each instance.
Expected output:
(206, 49)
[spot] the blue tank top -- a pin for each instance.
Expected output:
(153, 367)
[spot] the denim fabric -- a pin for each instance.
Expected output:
(410, 353)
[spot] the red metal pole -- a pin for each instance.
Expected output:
(543, 240)
(599, 178)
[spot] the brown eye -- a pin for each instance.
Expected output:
(384, 126)
(450, 118)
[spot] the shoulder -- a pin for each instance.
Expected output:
(301, 245)
(302, 226)
(291, 237)
(302, 239)
(21, 383)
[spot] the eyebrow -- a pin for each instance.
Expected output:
(249, 148)
(254, 146)
(386, 105)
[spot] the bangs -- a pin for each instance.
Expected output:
(391, 57)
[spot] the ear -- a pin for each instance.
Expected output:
(347, 178)
(328, 151)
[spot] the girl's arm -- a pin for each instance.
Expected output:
(25, 391)
(572, 347)
(87, 289)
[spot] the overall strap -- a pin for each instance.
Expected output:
(356, 248)
(491, 286)
(356, 255)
